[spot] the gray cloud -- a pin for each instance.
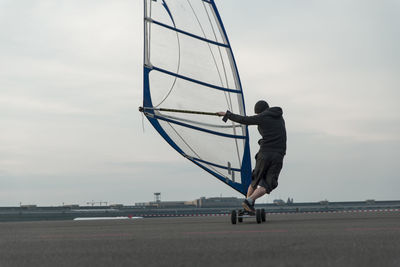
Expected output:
(71, 82)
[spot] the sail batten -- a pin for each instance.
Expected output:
(195, 81)
(216, 165)
(198, 128)
(186, 33)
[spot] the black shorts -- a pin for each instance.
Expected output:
(267, 170)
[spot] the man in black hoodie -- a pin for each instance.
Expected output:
(269, 158)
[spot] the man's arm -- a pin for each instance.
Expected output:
(247, 120)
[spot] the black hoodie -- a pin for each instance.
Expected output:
(271, 126)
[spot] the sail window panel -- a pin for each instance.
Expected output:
(191, 57)
(172, 92)
(194, 122)
(193, 16)
(205, 128)
(204, 21)
(156, 11)
(233, 176)
(197, 144)
(214, 24)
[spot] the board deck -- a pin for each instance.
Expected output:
(239, 215)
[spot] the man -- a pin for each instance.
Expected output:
(269, 158)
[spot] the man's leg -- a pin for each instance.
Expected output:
(248, 203)
(259, 192)
(250, 191)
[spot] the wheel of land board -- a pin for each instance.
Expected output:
(263, 215)
(240, 215)
(258, 216)
(233, 216)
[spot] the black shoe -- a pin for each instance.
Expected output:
(247, 206)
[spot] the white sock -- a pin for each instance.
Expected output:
(250, 201)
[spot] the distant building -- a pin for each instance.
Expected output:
(279, 202)
(172, 204)
(28, 206)
(116, 205)
(165, 204)
(71, 206)
(215, 202)
(324, 202)
(370, 201)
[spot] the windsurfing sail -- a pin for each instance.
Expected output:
(189, 73)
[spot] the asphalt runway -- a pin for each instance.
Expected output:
(326, 239)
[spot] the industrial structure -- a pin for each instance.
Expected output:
(200, 207)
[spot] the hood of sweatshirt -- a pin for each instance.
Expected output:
(274, 112)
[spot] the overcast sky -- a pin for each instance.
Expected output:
(71, 82)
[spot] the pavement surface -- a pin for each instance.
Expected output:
(326, 239)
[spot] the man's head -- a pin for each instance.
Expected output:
(260, 106)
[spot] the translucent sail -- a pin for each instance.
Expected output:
(189, 66)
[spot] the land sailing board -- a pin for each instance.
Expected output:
(239, 215)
